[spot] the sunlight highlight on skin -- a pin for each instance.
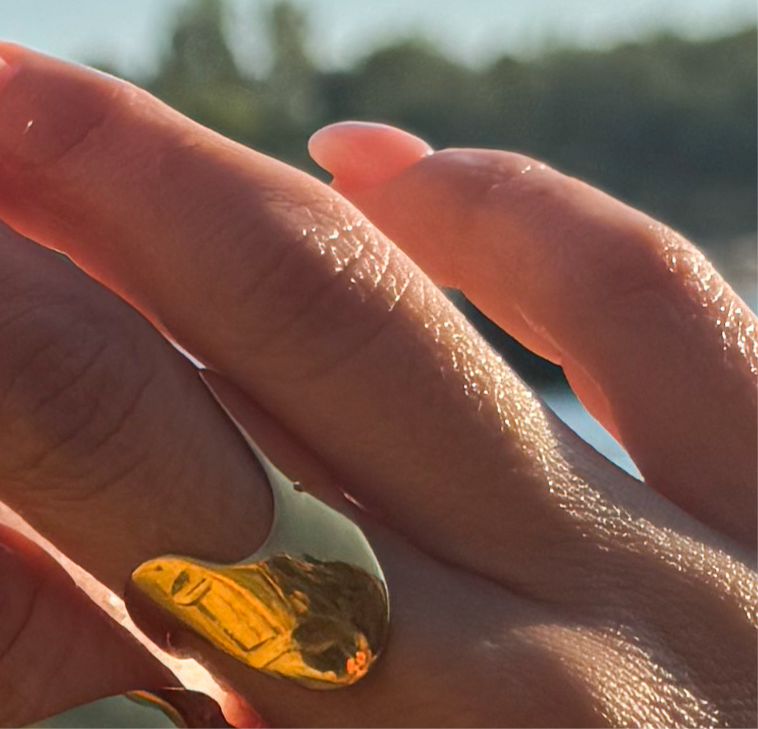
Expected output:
(190, 673)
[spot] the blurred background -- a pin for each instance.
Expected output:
(653, 102)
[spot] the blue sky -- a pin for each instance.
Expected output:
(128, 32)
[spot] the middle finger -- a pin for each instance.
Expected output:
(275, 281)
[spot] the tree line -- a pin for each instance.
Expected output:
(668, 124)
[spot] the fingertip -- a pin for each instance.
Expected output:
(364, 154)
(10, 52)
(9, 63)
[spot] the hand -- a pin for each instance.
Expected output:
(532, 581)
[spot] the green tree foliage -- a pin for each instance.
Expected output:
(292, 98)
(199, 75)
(668, 124)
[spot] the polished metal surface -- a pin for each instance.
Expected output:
(311, 605)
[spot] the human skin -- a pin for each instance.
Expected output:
(532, 582)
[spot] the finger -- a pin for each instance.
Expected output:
(109, 444)
(58, 650)
(104, 444)
(653, 340)
(348, 151)
(275, 282)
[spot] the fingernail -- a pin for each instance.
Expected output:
(363, 154)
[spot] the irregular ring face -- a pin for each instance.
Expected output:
(310, 605)
(321, 624)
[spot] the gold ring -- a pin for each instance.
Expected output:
(311, 605)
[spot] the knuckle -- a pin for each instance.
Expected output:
(584, 256)
(325, 277)
(635, 269)
(348, 301)
(657, 690)
(657, 609)
(605, 263)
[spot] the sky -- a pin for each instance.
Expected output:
(128, 33)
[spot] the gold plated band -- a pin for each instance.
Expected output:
(310, 605)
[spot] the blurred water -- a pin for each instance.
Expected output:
(563, 403)
(115, 712)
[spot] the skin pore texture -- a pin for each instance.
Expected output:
(532, 582)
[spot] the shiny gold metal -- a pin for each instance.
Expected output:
(156, 701)
(182, 707)
(311, 605)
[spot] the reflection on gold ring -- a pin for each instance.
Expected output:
(320, 623)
